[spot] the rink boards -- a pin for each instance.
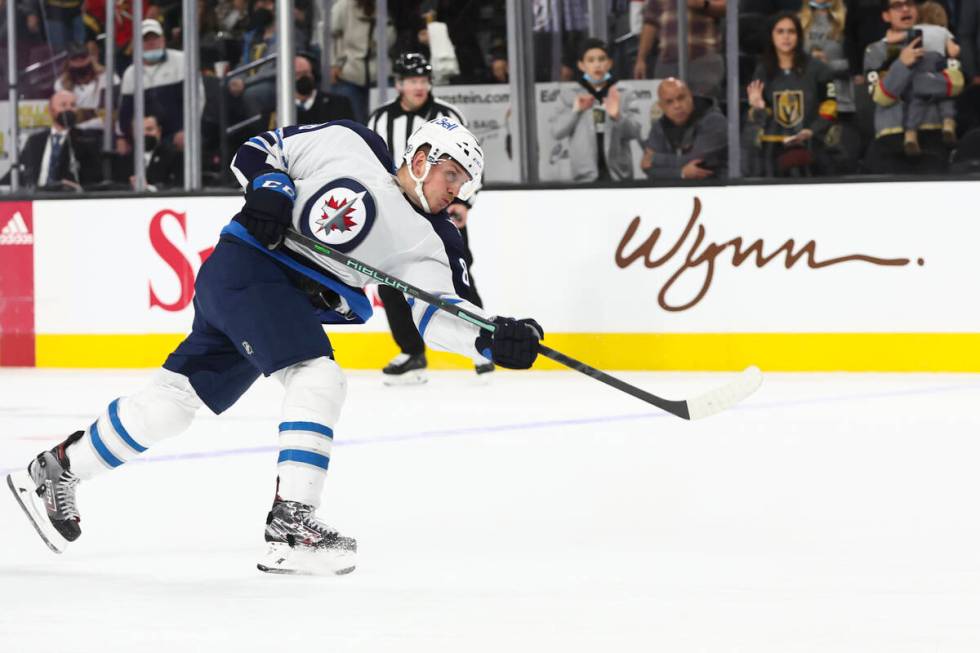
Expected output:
(813, 277)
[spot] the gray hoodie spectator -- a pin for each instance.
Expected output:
(690, 141)
(599, 118)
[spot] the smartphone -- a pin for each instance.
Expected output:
(913, 34)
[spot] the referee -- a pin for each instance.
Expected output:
(395, 122)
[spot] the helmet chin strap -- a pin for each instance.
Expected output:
(418, 184)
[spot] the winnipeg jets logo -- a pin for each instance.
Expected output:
(338, 215)
(341, 214)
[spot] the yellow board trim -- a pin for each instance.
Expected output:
(855, 352)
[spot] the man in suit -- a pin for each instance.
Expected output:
(313, 105)
(62, 158)
(164, 163)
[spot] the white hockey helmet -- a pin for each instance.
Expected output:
(447, 137)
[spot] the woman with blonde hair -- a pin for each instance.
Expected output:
(85, 77)
(823, 39)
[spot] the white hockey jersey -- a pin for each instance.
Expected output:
(348, 197)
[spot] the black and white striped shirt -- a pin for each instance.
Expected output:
(395, 125)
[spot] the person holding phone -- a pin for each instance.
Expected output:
(893, 80)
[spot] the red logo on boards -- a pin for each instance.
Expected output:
(184, 268)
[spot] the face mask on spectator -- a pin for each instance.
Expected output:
(261, 18)
(304, 85)
(150, 142)
(605, 78)
(154, 56)
(66, 119)
(821, 5)
(81, 73)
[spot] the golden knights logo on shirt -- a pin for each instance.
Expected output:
(789, 107)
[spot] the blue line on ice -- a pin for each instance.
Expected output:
(545, 424)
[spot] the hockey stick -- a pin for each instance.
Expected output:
(704, 405)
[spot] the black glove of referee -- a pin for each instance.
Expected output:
(514, 343)
(268, 209)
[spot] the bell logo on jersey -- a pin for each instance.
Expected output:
(341, 214)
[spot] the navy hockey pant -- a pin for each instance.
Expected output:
(250, 318)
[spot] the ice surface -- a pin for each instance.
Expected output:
(545, 512)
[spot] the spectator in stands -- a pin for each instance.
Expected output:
(968, 36)
(559, 28)
(599, 119)
(889, 65)
(85, 78)
(163, 90)
(62, 158)
(95, 14)
(823, 39)
(313, 104)
(354, 52)
(706, 66)
(823, 24)
(792, 103)
(499, 68)
(690, 140)
(462, 20)
(258, 87)
(62, 19)
(232, 17)
(164, 163)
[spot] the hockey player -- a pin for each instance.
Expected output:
(259, 308)
(394, 122)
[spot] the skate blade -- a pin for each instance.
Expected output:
(414, 377)
(22, 487)
(283, 559)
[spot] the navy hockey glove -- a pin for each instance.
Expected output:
(514, 344)
(268, 209)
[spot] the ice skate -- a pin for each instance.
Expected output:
(406, 369)
(46, 493)
(298, 543)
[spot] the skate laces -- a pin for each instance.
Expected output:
(64, 493)
(306, 516)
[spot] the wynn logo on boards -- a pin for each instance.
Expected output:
(701, 252)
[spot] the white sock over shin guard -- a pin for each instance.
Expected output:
(315, 393)
(131, 425)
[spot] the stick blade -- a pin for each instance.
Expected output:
(726, 396)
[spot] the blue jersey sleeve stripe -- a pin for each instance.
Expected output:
(429, 312)
(312, 427)
(282, 148)
(101, 449)
(121, 430)
(307, 457)
(261, 144)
